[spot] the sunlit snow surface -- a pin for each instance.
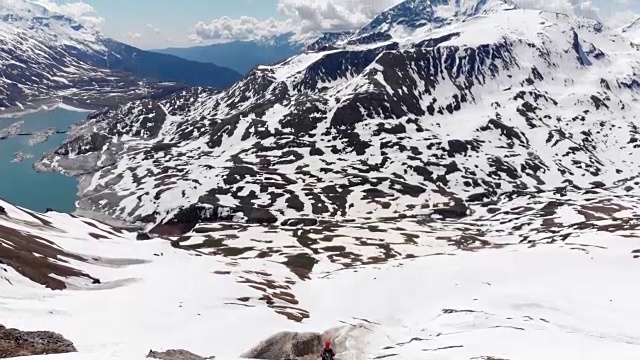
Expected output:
(574, 299)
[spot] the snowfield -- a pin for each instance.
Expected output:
(571, 299)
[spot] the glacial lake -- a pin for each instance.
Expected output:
(20, 184)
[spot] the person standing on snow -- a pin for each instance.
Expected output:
(327, 352)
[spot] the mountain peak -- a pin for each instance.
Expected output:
(22, 7)
(415, 14)
(53, 27)
(23, 10)
(632, 30)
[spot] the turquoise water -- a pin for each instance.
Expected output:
(23, 186)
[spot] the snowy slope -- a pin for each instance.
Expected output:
(509, 101)
(557, 283)
(632, 30)
(45, 54)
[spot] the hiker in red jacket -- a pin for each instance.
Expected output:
(327, 352)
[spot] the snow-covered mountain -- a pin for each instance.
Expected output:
(499, 101)
(426, 15)
(245, 55)
(45, 54)
(632, 30)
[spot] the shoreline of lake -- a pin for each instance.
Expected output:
(21, 184)
(32, 155)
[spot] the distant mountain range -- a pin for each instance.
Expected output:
(243, 56)
(45, 54)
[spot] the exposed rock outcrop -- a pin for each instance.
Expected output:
(457, 210)
(176, 355)
(14, 343)
(142, 236)
(307, 346)
(287, 345)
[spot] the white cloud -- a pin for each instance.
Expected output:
(313, 15)
(302, 16)
(584, 8)
(614, 13)
(154, 28)
(133, 35)
(305, 16)
(78, 10)
(243, 28)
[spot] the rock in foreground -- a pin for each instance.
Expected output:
(287, 345)
(175, 355)
(304, 346)
(15, 343)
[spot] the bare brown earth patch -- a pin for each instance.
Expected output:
(171, 229)
(276, 295)
(301, 264)
(98, 236)
(42, 220)
(232, 251)
(607, 208)
(292, 313)
(107, 230)
(31, 256)
(589, 216)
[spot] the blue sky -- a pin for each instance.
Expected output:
(130, 13)
(163, 23)
(156, 23)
